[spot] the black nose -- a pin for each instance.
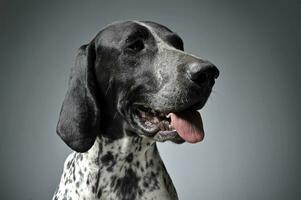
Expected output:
(202, 73)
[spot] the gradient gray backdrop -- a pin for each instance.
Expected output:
(252, 144)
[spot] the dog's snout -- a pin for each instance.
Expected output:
(202, 73)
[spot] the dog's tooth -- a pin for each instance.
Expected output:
(165, 125)
(170, 127)
(148, 123)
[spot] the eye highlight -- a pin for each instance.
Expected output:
(135, 46)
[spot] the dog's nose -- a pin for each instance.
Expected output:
(202, 73)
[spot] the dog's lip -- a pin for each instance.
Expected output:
(153, 130)
(193, 105)
(172, 135)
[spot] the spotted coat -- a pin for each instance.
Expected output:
(126, 169)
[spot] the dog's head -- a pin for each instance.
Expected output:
(135, 78)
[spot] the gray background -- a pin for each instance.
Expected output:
(252, 144)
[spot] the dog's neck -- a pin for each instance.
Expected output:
(105, 150)
(126, 168)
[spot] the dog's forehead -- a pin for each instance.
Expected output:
(116, 33)
(159, 29)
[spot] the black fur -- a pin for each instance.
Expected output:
(79, 117)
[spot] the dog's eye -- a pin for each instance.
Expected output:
(176, 42)
(136, 46)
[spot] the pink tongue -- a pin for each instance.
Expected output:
(189, 125)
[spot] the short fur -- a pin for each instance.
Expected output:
(127, 65)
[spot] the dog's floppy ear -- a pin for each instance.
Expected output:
(78, 122)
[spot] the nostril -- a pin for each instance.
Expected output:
(199, 78)
(202, 73)
(214, 72)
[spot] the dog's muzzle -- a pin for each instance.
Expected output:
(179, 123)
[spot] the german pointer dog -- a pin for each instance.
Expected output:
(131, 86)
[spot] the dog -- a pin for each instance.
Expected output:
(132, 86)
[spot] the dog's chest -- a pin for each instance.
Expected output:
(114, 172)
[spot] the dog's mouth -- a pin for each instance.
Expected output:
(176, 126)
